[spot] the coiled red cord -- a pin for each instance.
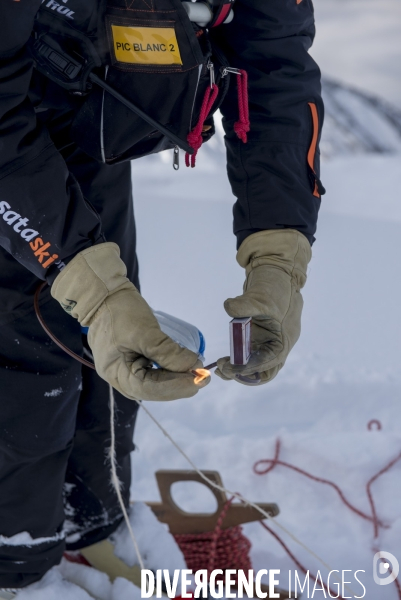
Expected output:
(219, 549)
(229, 548)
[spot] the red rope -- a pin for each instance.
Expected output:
(376, 523)
(194, 138)
(229, 548)
(272, 463)
(296, 561)
(218, 549)
(243, 125)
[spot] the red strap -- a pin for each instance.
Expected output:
(242, 126)
(222, 15)
(195, 136)
(221, 10)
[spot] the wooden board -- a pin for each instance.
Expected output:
(180, 521)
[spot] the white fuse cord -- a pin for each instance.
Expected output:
(117, 486)
(235, 494)
(113, 462)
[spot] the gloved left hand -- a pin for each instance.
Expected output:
(124, 335)
(275, 262)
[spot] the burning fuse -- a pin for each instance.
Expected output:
(240, 340)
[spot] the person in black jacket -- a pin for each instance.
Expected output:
(67, 218)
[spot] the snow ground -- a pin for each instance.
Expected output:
(343, 372)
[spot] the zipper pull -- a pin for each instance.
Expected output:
(176, 158)
(225, 70)
(210, 66)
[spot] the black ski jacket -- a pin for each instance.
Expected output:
(44, 217)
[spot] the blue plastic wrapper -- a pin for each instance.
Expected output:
(185, 334)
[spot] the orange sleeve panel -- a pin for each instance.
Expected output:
(313, 146)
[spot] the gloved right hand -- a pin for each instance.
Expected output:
(124, 335)
(275, 261)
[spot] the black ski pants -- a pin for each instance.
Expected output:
(55, 487)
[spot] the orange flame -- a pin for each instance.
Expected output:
(200, 375)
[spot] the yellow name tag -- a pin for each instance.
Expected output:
(146, 45)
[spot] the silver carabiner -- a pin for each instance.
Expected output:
(176, 158)
(226, 70)
(210, 66)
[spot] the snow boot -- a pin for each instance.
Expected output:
(101, 557)
(8, 594)
(116, 555)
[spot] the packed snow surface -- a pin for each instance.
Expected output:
(343, 373)
(157, 547)
(72, 581)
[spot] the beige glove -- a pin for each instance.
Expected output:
(124, 335)
(275, 262)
